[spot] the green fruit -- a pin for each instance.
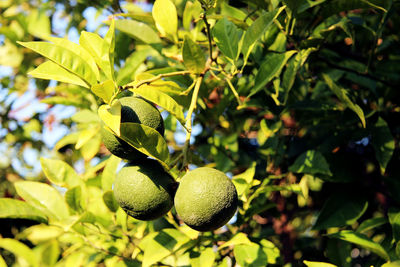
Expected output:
(206, 199)
(145, 191)
(133, 109)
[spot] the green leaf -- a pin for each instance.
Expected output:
(132, 63)
(111, 116)
(94, 45)
(227, 36)
(342, 95)
(257, 30)
(110, 201)
(20, 250)
(138, 30)
(43, 197)
(318, 264)
(61, 100)
(383, 143)
(394, 219)
(371, 224)
(392, 264)
(311, 162)
(104, 90)
(146, 140)
(340, 210)
(79, 50)
(67, 59)
(161, 99)
(108, 47)
(205, 259)
(238, 239)
(243, 181)
(17, 209)
(52, 71)
(159, 245)
(250, 255)
(363, 241)
(60, 173)
(193, 56)
(85, 116)
(10, 55)
(271, 67)
(2, 262)
(74, 199)
(166, 18)
(41, 233)
(109, 172)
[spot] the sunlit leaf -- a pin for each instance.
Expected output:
(193, 56)
(318, 264)
(20, 250)
(43, 197)
(166, 18)
(65, 58)
(60, 173)
(145, 139)
(17, 209)
(138, 30)
(109, 172)
(111, 116)
(362, 241)
(205, 259)
(104, 90)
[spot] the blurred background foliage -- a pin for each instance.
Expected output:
(312, 149)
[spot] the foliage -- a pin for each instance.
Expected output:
(296, 100)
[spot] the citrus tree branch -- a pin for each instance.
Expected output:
(155, 78)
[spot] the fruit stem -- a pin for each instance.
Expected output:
(192, 107)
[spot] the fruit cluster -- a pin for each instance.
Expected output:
(205, 199)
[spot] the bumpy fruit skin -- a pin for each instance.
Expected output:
(206, 199)
(144, 190)
(133, 109)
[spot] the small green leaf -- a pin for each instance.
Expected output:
(110, 201)
(146, 140)
(227, 36)
(257, 30)
(41, 233)
(342, 95)
(271, 67)
(20, 250)
(60, 173)
(65, 58)
(159, 245)
(166, 18)
(2, 262)
(17, 209)
(73, 197)
(109, 172)
(392, 264)
(85, 116)
(383, 143)
(311, 162)
(238, 239)
(43, 197)
(250, 255)
(111, 116)
(340, 210)
(161, 99)
(318, 264)
(61, 100)
(193, 56)
(132, 63)
(86, 135)
(363, 241)
(394, 219)
(52, 71)
(94, 44)
(104, 90)
(138, 30)
(205, 259)
(371, 224)
(108, 47)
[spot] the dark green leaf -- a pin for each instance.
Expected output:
(362, 241)
(383, 143)
(311, 162)
(110, 201)
(227, 36)
(340, 210)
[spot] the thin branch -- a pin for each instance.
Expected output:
(155, 78)
(208, 31)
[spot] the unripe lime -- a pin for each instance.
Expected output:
(206, 199)
(133, 109)
(144, 190)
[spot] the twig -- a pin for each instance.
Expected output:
(208, 31)
(155, 78)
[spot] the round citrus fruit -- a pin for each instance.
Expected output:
(133, 109)
(206, 199)
(145, 191)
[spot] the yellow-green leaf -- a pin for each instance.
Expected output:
(166, 18)
(52, 71)
(59, 172)
(111, 116)
(193, 56)
(104, 90)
